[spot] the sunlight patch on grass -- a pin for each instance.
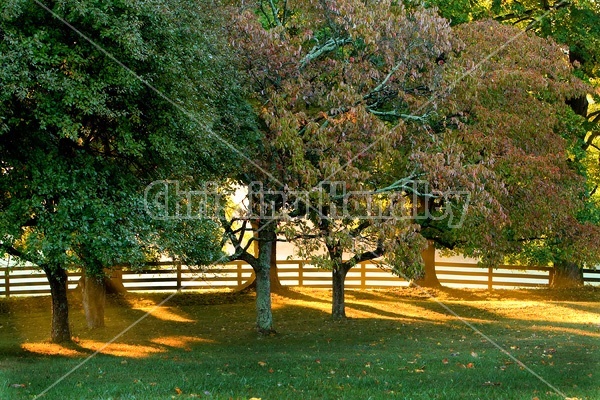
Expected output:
(181, 342)
(121, 349)
(162, 312)
(543, 311)
(50, 349)
(565, 330)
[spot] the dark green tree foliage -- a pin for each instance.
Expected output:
(81, 136)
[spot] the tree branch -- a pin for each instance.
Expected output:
(387, 78)
(366, 256)
(317, 51)
(395, 114)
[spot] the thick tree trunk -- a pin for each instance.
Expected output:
(566, 275)
(338, 305)
(94, 300)
(113, 282)
(57, 278)
(430, 278)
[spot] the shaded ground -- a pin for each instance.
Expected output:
(398, 343)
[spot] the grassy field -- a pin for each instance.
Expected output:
(398, 344)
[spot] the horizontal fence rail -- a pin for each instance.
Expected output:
(29, 280)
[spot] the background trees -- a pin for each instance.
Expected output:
(331, 81)
(573, 24)
(81, 136)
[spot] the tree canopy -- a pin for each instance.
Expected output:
(93, 112)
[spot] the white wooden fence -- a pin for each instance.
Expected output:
(28, 280)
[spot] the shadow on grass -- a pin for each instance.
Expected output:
(200, 321)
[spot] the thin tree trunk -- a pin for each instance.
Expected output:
(57, 278)
(94, 300)
(567, 275)
(338, 305)
(276, 286)
(430, 278)
(264, 314)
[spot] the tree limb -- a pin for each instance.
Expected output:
(317, 51)
(395, 114)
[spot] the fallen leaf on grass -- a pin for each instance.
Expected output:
(489, 383)
(445, 361)
(262, 363)
(473, 354)
(178, 391)
(470, 365)
(18, 385)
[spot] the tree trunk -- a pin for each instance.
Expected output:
(275, 283)
(567, 275)
(276, 286)
(338, 305)
(57, 278)
(94, 300)
(430, 278)
(113, 282)
(264, 313)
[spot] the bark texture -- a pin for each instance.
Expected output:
(338, 304)
(114, 281)
(57, 278)
(264, 314)
(567, 275)
(94, 299)
(276, 286)
(430, 278)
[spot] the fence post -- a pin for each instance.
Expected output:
(550, 276)
(490, 278)
(178, 275)
(363, 275)
(7, 282)
(239, 272)
(300, 273)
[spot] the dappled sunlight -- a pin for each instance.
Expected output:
(395, 311)
(181, 342)
(88, 346)
(566, 330)
(162, 312)
(314, 305)
(50, 349)
(121, 349)
(543, 311)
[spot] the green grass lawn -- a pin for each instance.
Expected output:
(398, 344)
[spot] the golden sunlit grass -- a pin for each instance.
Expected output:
(397, 343)
(161, 312)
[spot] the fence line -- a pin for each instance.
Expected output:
(28, 280)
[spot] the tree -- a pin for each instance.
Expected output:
(330, 82)
(515, 108)
(337, 89)
(81, 135)
(575, 25)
